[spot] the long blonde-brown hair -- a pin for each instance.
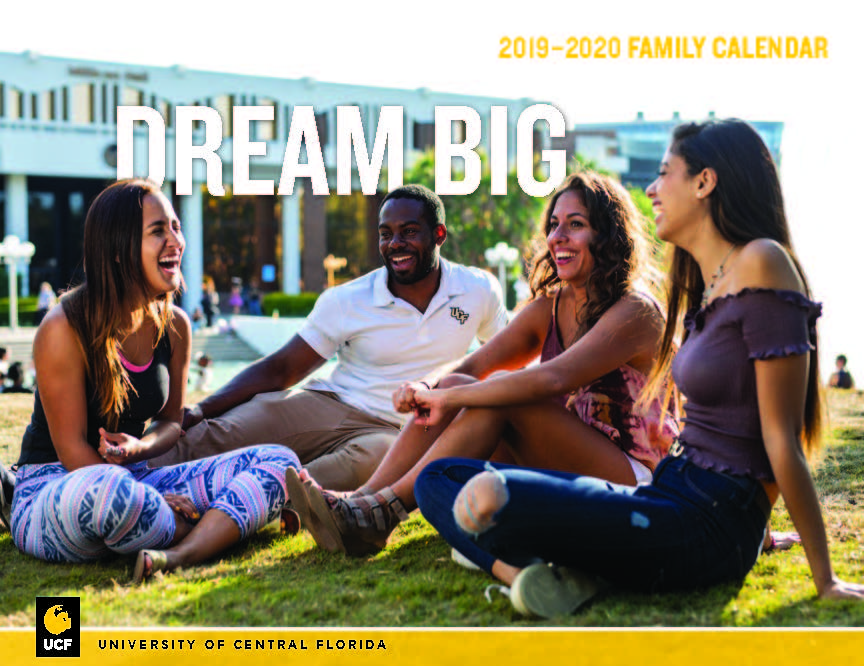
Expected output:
(114, 286)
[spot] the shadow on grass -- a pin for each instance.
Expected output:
(275, 581)
(412, 584)
(23, 578)
(815, 612)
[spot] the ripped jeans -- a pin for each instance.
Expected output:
(689, 528)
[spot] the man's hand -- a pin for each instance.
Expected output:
(192, 416)
(403, 397)
(183, 506)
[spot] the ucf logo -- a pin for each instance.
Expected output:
(58, 627)
(459, 315)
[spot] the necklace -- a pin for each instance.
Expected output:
(719, 273)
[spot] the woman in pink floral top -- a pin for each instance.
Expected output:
(596, 331)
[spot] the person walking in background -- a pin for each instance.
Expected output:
(209, 300)
(47, 300)
(236, 298)
(253, 298)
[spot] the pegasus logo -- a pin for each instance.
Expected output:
(56, 620)
(459, 314)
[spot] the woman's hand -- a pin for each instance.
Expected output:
(430, 406)
(403, 397)
(839, 589)
(118, 448)
(183, 506)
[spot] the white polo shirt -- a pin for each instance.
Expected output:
(381, 341)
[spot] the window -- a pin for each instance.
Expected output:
(82, 111)
(16, 104)
(424, 135)
(224, 106)
(132, 97)
(48, 99)
(267, 128)
(321, 125)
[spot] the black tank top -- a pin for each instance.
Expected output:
(152, 386)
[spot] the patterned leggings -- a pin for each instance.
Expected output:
(79, 516)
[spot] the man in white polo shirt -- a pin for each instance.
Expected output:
(396, 324)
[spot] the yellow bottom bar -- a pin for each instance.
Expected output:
(359, 647)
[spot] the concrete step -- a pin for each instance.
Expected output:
(220, 346)
(19, 349)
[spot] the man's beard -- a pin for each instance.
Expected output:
(425, 264)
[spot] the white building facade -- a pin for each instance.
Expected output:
(58, 149)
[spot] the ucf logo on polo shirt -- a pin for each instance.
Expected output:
(58, 626)
(459, 315)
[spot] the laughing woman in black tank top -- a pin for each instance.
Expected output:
(112, 360)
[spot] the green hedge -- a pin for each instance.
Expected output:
(26, 311)
(288, 305)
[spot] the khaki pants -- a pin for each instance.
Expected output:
(339, 445)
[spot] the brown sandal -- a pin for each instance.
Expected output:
(359, 526)
(298, 496)
(157, 560)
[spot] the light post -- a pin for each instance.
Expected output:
(12, 250)
(331, 265)
(503, 257)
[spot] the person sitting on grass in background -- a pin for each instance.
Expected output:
(16, 375)
(111, 358)
(596, 329)
(841, 378)
(748, 367)
(202, 372)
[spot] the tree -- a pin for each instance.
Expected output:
(479, 220)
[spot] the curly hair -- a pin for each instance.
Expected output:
(620, 249)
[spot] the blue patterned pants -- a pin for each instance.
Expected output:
(63, 516)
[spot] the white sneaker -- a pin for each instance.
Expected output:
(463, 561)
(547, 590)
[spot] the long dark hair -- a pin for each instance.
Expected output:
(746, 204)
(620, 248)
(114, 285)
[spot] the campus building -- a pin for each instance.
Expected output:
(635, 149)
(58, 149)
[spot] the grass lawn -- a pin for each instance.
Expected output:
(273, 580)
